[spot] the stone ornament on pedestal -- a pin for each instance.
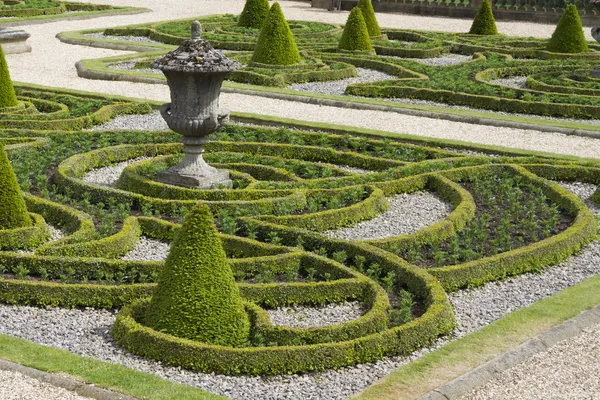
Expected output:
(14, 41)
(195, 72)
(595, 73)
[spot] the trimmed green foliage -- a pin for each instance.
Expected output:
(276, 44)
(368, 14)
(484, 23)
(254, 14)
(13, 212)
(197, 297)
(568, 36)
(7, 92)
(356, 34)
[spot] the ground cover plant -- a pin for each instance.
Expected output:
(291, 186)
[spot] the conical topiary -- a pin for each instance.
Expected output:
(568, 36)
(276, 44)
(13, 212)
(197, 297)
(7, 92)
(254, 13)
(355, 35)
(369, 15)
(484, 22)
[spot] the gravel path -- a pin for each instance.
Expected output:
(306, 317)
(16, 386)
(516, 82)
(140, 39)
(442, 61)
(339, 87)
(568, 370)
(109, 175)
(147, 249)
(408, 212)
(147, 122)
(60, 58)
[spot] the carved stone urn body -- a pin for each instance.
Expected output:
(195, 72)
(595, 73)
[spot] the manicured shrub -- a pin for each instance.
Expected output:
(276, 44)
(356, 34)
(369, 15)
(484, 23)
(568, 36)
(254, 14)
(13, 212)
(197, 297)
(7, 92)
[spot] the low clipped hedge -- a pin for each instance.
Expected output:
(27, 237)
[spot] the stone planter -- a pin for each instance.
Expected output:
(14, 41)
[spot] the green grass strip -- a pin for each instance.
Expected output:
(459, 357)
(102, 374)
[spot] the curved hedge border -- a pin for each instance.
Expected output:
(25, 238)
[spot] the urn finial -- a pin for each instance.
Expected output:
(196, 30)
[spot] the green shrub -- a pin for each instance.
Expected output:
(254, 14)
(356, 34)
(13, 212)
(484, 23)
(197, 297)
(568, 36)
(276, 44)
(7, 92)
(368, 14)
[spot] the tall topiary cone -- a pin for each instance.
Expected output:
(484, 22)
(13, 212)
(369, 15)
(7, 92)
(197, 297)
(276, 44)
(254, 14)
(355, 35)
(568, 36)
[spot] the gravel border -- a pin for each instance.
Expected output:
(147, 249)
(109, 175)
(307, 317)
(338, 87)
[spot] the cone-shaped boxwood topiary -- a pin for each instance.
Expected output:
(7, 92)
(13, 212)
(369, 15)
(197, 297)
(254, 14)
(568, 36)
(276, 44)
(484, 23)
(355, 35)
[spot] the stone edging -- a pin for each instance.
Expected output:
(65, 382)
(477, 377)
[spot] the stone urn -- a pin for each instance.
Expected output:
(595, 73)
(195, 72)
(14, 41)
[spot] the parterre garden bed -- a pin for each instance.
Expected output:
(290, 185)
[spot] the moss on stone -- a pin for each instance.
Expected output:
(276, 44)
(484, 22)
(13, 212)
(369, 15)
(197, 297)
(254, 14)
(355, 36)
(7, 92)
(568, 35)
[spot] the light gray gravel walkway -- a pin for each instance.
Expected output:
(338, 87)
(109, 175)
(516, 82)
(147, 122)
(306, 317)
(147, 249)
(140, 39)
(16, 386)
(568, 370)
(408, 212)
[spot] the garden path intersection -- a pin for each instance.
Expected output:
(340, 259)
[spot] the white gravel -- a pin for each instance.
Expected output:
(147, 249)
(139, 39)
(407, 213)
(306, 317)
(338, 87)
(516, 82)
(442, 61)
(109, 175)
(16, 386)
(148, 122)
(567, 370)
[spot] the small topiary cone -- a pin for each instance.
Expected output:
(276, 44)
(355, 36)
(369, 15)
(7, 91)
(197, 297)
(13, 212)
(484, 22)
(254, 13)
(568, 35)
